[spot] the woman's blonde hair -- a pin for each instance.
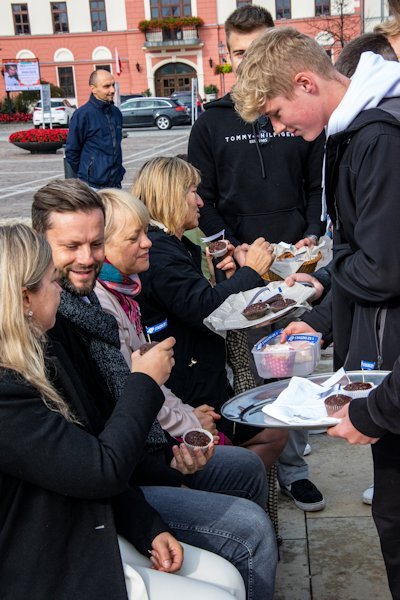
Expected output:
(128, 206)
(162, 184)
(24, 258)
(270, 65)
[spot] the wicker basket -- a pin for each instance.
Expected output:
(307, 267)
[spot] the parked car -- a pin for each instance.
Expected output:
(147, 112)
(125, 97)
(186, 99)
(61, 113)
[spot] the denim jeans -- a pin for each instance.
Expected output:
(226, 523)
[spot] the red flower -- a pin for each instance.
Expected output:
(40, 135)
(15, 118)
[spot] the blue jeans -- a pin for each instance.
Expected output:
(231, 526)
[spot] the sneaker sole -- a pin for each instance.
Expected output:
(305, 506)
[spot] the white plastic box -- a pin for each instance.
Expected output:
(276, 360)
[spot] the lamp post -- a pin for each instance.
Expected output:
(222, 61)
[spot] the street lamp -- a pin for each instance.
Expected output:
(222, 60)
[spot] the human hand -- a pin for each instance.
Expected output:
(304, 278)
(306, 242)
(207, 416)
(346, 430)
(187, 463)
(295, 327)
(259, 256)
(157, 362)
(166, 553)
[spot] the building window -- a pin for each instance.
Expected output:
(283, 9)
(322, 8)
(66, 81)
(21, 19)
(104, 67)
(170, 8)
(60, 17)
(240, 3)
(98, 15)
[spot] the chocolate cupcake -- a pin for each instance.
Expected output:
(255, 311)
(274, 298)
(197, 438)
(281, 304)
(218, 248)
(335, 402)
(358, 389)
(146, 347)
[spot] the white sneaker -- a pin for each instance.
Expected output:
(307, 450)
(368, 495)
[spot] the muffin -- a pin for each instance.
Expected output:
(335, 402)
(358, 389)
(281, 304)
(146, 347)
(197, 438)
(255, 311)
(217, 248)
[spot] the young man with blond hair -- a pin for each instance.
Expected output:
(288, 77)
(255, 183)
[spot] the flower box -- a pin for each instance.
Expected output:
(39, 141)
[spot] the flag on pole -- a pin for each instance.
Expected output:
(118, 66)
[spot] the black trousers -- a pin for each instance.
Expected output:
(386, 505)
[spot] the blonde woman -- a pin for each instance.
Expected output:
(391, 27)
(61, 486)
(127, 254)
(176, 297)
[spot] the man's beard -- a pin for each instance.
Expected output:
(68, 286)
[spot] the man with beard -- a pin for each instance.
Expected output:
(71, 216)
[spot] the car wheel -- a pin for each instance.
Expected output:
(163, 122)
(37, 126)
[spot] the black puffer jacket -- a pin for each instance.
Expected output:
(255, 183)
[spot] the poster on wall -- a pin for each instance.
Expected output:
(21, 74)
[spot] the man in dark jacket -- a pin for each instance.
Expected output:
(93, 148)
(257, 183)
(362, 183)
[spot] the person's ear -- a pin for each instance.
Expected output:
(26, 299)
(305, 82)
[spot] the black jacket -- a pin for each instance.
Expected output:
(255, 183)
(175, 289)
(93, 147)
(64, 493)
(150, 469)
(363, 182)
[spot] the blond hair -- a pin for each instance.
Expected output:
(115, 200)
(270, 65)
(24, 259)
(162, 184)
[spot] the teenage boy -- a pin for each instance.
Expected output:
(289, 78)
(259, 183)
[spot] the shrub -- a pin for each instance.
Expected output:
(40, 135)
(171, 23)
(211, 89)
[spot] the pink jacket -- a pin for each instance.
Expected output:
(175, 416)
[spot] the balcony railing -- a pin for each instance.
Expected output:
(158, 38)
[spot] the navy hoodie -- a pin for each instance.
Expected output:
(255, 183)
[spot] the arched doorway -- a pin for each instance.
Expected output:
(174, 77)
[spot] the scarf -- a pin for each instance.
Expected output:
(101, 335)
(374, 79)
(124, 288)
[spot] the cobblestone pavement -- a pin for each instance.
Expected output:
(22, 173)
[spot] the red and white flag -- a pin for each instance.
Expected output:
(118, 66)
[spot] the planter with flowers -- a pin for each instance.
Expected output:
(40, 141)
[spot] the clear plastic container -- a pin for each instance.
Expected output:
(298, 357)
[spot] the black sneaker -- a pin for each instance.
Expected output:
(305, 495)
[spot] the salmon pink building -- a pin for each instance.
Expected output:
(153, 46)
